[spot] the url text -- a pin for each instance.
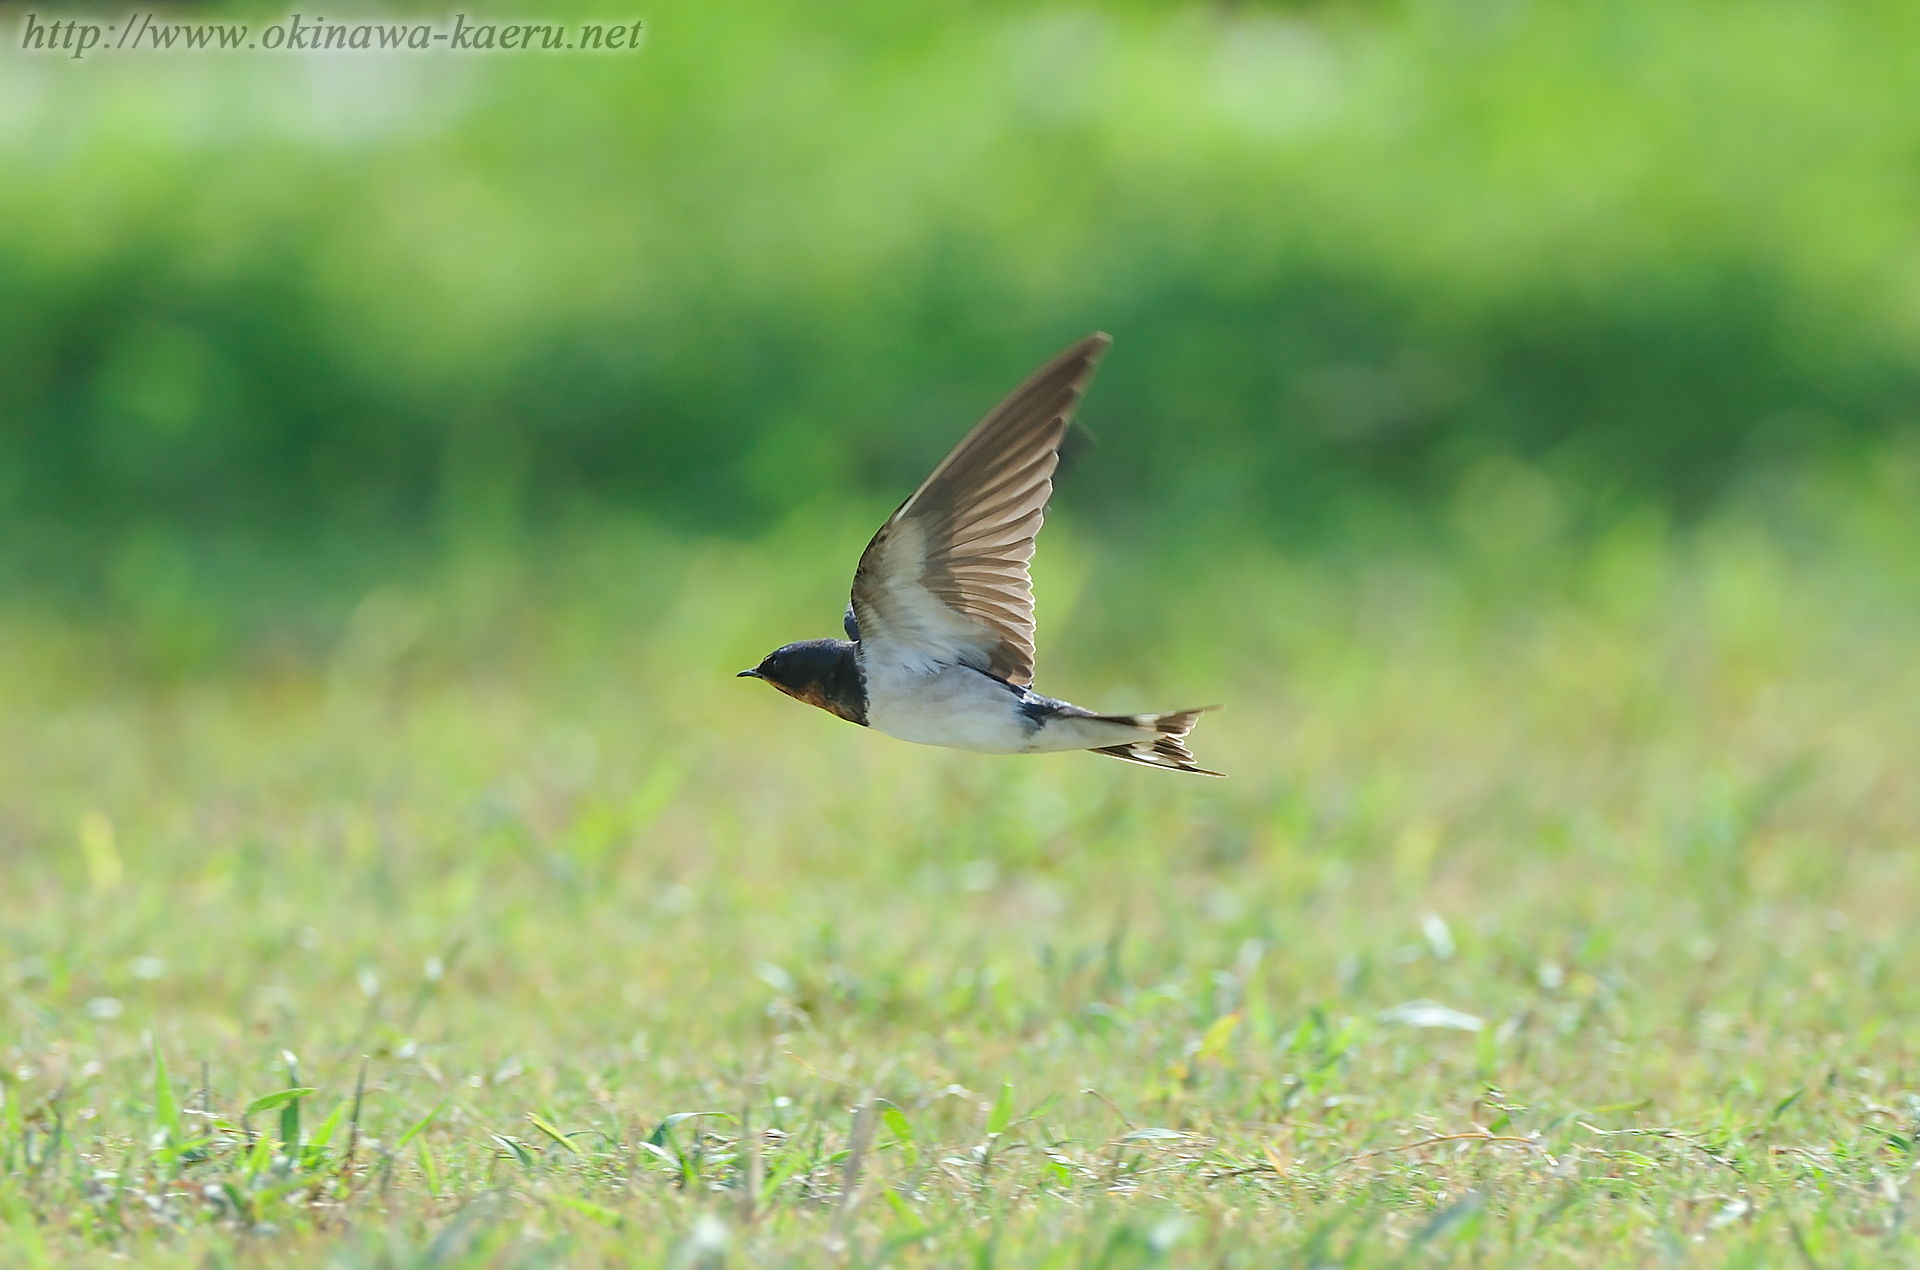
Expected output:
(145, 33)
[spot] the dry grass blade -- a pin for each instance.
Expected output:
(851, 1172)
(1472, 1135)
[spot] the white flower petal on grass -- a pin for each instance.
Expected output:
(1733, 1211)
(1425, 1013)
(104, 1008)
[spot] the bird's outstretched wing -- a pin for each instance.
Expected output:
(945, 580)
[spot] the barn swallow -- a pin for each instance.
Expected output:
(939, 646)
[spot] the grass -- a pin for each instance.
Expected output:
(1558, 911)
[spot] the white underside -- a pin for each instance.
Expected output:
(963, 709)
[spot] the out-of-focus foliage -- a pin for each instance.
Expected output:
(787, 253)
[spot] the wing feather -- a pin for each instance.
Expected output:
(945, 580)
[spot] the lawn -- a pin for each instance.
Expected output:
(1558, 910)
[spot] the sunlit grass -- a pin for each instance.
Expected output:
(1559, 909)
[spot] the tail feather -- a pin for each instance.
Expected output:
(1167, 749)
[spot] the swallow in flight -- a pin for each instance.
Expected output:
(939, 646)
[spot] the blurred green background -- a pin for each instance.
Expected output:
(276, 328)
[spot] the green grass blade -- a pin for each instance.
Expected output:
(422, 1122)
(260, 1156)
(290, 1111)
(1002, 1114)
(517, 1151)
(551, 1131)
(166, 1112)
(428, 1169)
(277, 1100)
(317, 1145)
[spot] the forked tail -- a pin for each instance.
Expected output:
(1166, 747)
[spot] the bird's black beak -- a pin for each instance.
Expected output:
(748, 674)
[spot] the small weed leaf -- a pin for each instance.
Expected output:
(1002, 1114)
(897, 1122)
(428, 1169)
(547, 1127)
(166, 1113)
(290, 1110)
(663, 1132)
(260, 1157)
(275, 1101)
(193, 1150)
(317, 1145)
(1213, 1045)
(514, 1149)
(1487, 1053)
(790, 1163)
(1044, 1107)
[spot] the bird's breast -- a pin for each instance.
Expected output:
(954, 706)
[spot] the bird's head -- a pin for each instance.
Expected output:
(819, 672)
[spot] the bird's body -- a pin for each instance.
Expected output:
(967, 709)
(940, 630)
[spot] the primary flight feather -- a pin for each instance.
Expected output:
(940, 631)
